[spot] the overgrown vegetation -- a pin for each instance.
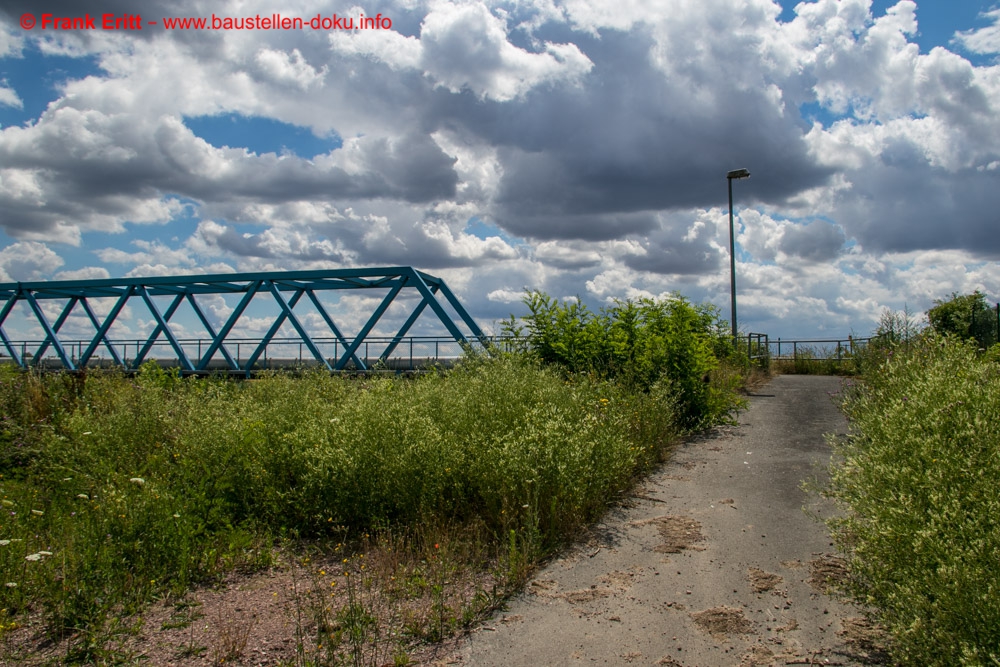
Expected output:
(639, 344)
(119, 490)
(918, 477)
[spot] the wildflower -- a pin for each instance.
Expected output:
(11, 584)
(177, 516)
(83, 496)
(37, 512)
(33, 557)
(137, 480)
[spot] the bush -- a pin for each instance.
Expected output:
(637, 343)
(919, 478)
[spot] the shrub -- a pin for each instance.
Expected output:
(637, 343)
(919, 478)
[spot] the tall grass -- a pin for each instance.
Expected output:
(117, 489)
(919, 477)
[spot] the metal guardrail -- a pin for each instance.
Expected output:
(409, 352)
(826, 349)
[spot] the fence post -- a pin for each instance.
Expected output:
(795, 350)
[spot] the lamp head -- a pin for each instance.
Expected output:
(738, 173)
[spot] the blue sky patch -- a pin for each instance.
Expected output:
(38, 80)
(260, 135)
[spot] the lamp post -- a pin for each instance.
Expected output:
(734, 174)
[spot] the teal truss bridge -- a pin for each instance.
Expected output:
(49, 305)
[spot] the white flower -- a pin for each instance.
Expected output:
(83, 496)
(38, 512)
(137, 480)
(4, 543)
(33, 557)
(11, 584)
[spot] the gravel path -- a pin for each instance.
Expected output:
(714, 563)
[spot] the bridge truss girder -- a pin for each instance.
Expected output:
(279, 284)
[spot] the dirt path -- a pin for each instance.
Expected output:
(715, 564)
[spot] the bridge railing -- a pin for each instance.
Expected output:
(410, 352)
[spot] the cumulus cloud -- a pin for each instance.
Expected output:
(466, 46)
(9, 97)
(982, 40)
(289, 68)
(28, 261)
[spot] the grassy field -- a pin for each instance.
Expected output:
(919, 480)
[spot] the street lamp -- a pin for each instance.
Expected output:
(734, 174)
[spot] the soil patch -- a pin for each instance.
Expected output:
(866, 637)
(677, 532)
(723, 621)
(761, 581)
(758, 656)
(827, 572)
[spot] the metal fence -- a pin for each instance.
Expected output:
(826, 349)
(409, 352)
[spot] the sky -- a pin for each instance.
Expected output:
(577, 147)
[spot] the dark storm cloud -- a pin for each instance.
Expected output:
(903, 208)
(630, 140)
(816, 241)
